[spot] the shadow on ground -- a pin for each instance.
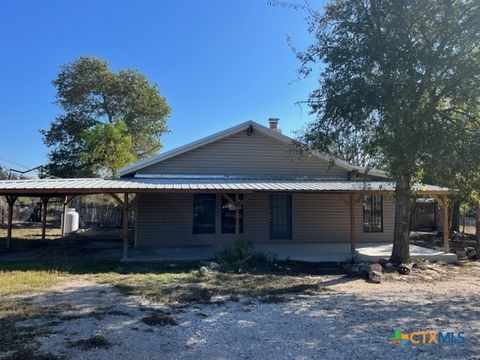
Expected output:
(330, 325)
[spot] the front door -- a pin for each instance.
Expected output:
(280, 216)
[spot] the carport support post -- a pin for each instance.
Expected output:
(10, 200)
(445, 224)
(44, 215)
(64, 215)
(125, 226)
(352, 224)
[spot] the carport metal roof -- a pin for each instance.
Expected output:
(199, 184)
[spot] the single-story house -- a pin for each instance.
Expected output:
(249, 181)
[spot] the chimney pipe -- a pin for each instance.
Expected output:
(273, 124)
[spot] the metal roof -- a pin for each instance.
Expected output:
(199, 184)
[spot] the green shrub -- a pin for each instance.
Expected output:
(240, 255)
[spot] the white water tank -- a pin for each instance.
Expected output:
(71, 221)
(62, 217)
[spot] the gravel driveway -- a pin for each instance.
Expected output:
(352, 319)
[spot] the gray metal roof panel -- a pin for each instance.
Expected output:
(234, 184)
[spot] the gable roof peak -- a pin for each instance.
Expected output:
(248, 125)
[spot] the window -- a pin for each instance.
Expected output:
(373, 213)
(228, 215)
(280, 216)
(204, 214)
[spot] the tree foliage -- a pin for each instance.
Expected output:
(91, 94)
(401, 76)
(6, 174)
(109, 147)
(3, 173)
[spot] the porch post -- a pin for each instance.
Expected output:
(445, 224)
(10, 200)
(237, 214)
(64, 215)
(352, 224)
(125, 226)
(44, 215)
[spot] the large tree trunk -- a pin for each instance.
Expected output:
(401, 236)
(477, 228)
(455, 216)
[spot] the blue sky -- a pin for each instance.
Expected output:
(217, 62)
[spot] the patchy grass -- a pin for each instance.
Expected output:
(93, 342)
(27, 239)
(96, 267)
(25, 277)
(19, 336)
(31, 354)
(29, 234)
(159, 319)
(19, 310)
(193, 288)
(161, 282)
(22, 322)
(274, 299)
(24, 282)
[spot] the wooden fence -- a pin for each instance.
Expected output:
(91, 216)
(20, 213)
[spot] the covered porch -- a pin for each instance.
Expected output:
(127, 190)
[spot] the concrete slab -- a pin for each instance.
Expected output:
(310, 252)
(172, 253)
(375, 252)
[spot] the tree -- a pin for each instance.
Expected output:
(90, 94)
(6, 174)
(405, 74)
(459, 169)
(3, 173)
(350, 147)
(109, 146)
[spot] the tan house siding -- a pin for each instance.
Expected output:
(166, 219)
(320, 218)
(161, 217)
(326, 218)
(240, 154)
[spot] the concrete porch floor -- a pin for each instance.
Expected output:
(375, 252)
(326, 252)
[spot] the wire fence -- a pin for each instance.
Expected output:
(467, 224)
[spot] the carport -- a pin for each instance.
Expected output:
(68, 189)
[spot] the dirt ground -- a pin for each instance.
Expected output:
(349, 318)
